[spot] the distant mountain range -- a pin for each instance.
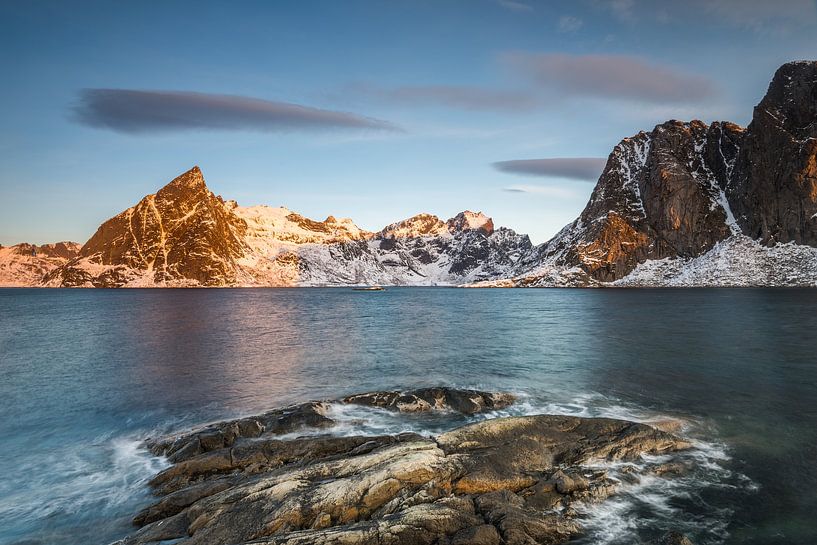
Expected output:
(687, 204)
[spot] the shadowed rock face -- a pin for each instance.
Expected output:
(505, 480)
(659, 196)
(774, 190)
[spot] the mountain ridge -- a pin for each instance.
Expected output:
(683, 204)
(184, 235)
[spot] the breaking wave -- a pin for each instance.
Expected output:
(61, 495)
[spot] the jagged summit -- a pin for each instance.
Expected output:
(182, 232)
(792, 98)
(420, 225)
(425, 225)
(188, 186)
(471, 221)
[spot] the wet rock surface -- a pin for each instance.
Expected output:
(425, 399)
(506, 480)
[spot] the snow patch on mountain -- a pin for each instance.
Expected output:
(736, 261)
(26, 264)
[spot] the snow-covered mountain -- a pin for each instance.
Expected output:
(686, 204)
(184, 235)
(26, 264)
(692, 204)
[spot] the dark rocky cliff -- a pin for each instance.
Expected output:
(683, 187)
(774, 189)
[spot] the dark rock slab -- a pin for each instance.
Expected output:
(426, 399)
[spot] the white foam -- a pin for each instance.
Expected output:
(95, 478)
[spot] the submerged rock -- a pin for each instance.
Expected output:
(504, 480)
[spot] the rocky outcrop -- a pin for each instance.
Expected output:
(682, 189)
(660, 195)
(774, 189)
(316, 415)
(428, 399)
(183, 234)
(500, 481)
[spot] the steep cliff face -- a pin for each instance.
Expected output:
(774, 188)
(682, 189)
(660, 195)
(181, 235)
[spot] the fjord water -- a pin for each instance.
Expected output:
(86, 374)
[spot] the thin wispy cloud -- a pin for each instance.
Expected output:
(585, 169)
(544, 190)
(568, 24)
(762, 15)
(516, 6)
(623, 9)
(622, 77)
(135, 112)
(460, 97)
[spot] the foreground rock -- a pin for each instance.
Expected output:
(507, 480)
(315, 414)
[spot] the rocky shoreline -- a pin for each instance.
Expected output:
(505, 480)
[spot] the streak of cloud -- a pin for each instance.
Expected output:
(622, 77)
(544, 190)
(514, 5)
(585, 169)
(142, 112)
(568, 24)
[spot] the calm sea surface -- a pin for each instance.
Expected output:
(86, 374)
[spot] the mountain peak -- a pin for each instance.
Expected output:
(190, 181)
(791, 99)
(419, 225)
(774, 187)
(471, 221)
(182, 233)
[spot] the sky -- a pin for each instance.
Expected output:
(374, 110)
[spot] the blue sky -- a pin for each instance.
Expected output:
(372, 110)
